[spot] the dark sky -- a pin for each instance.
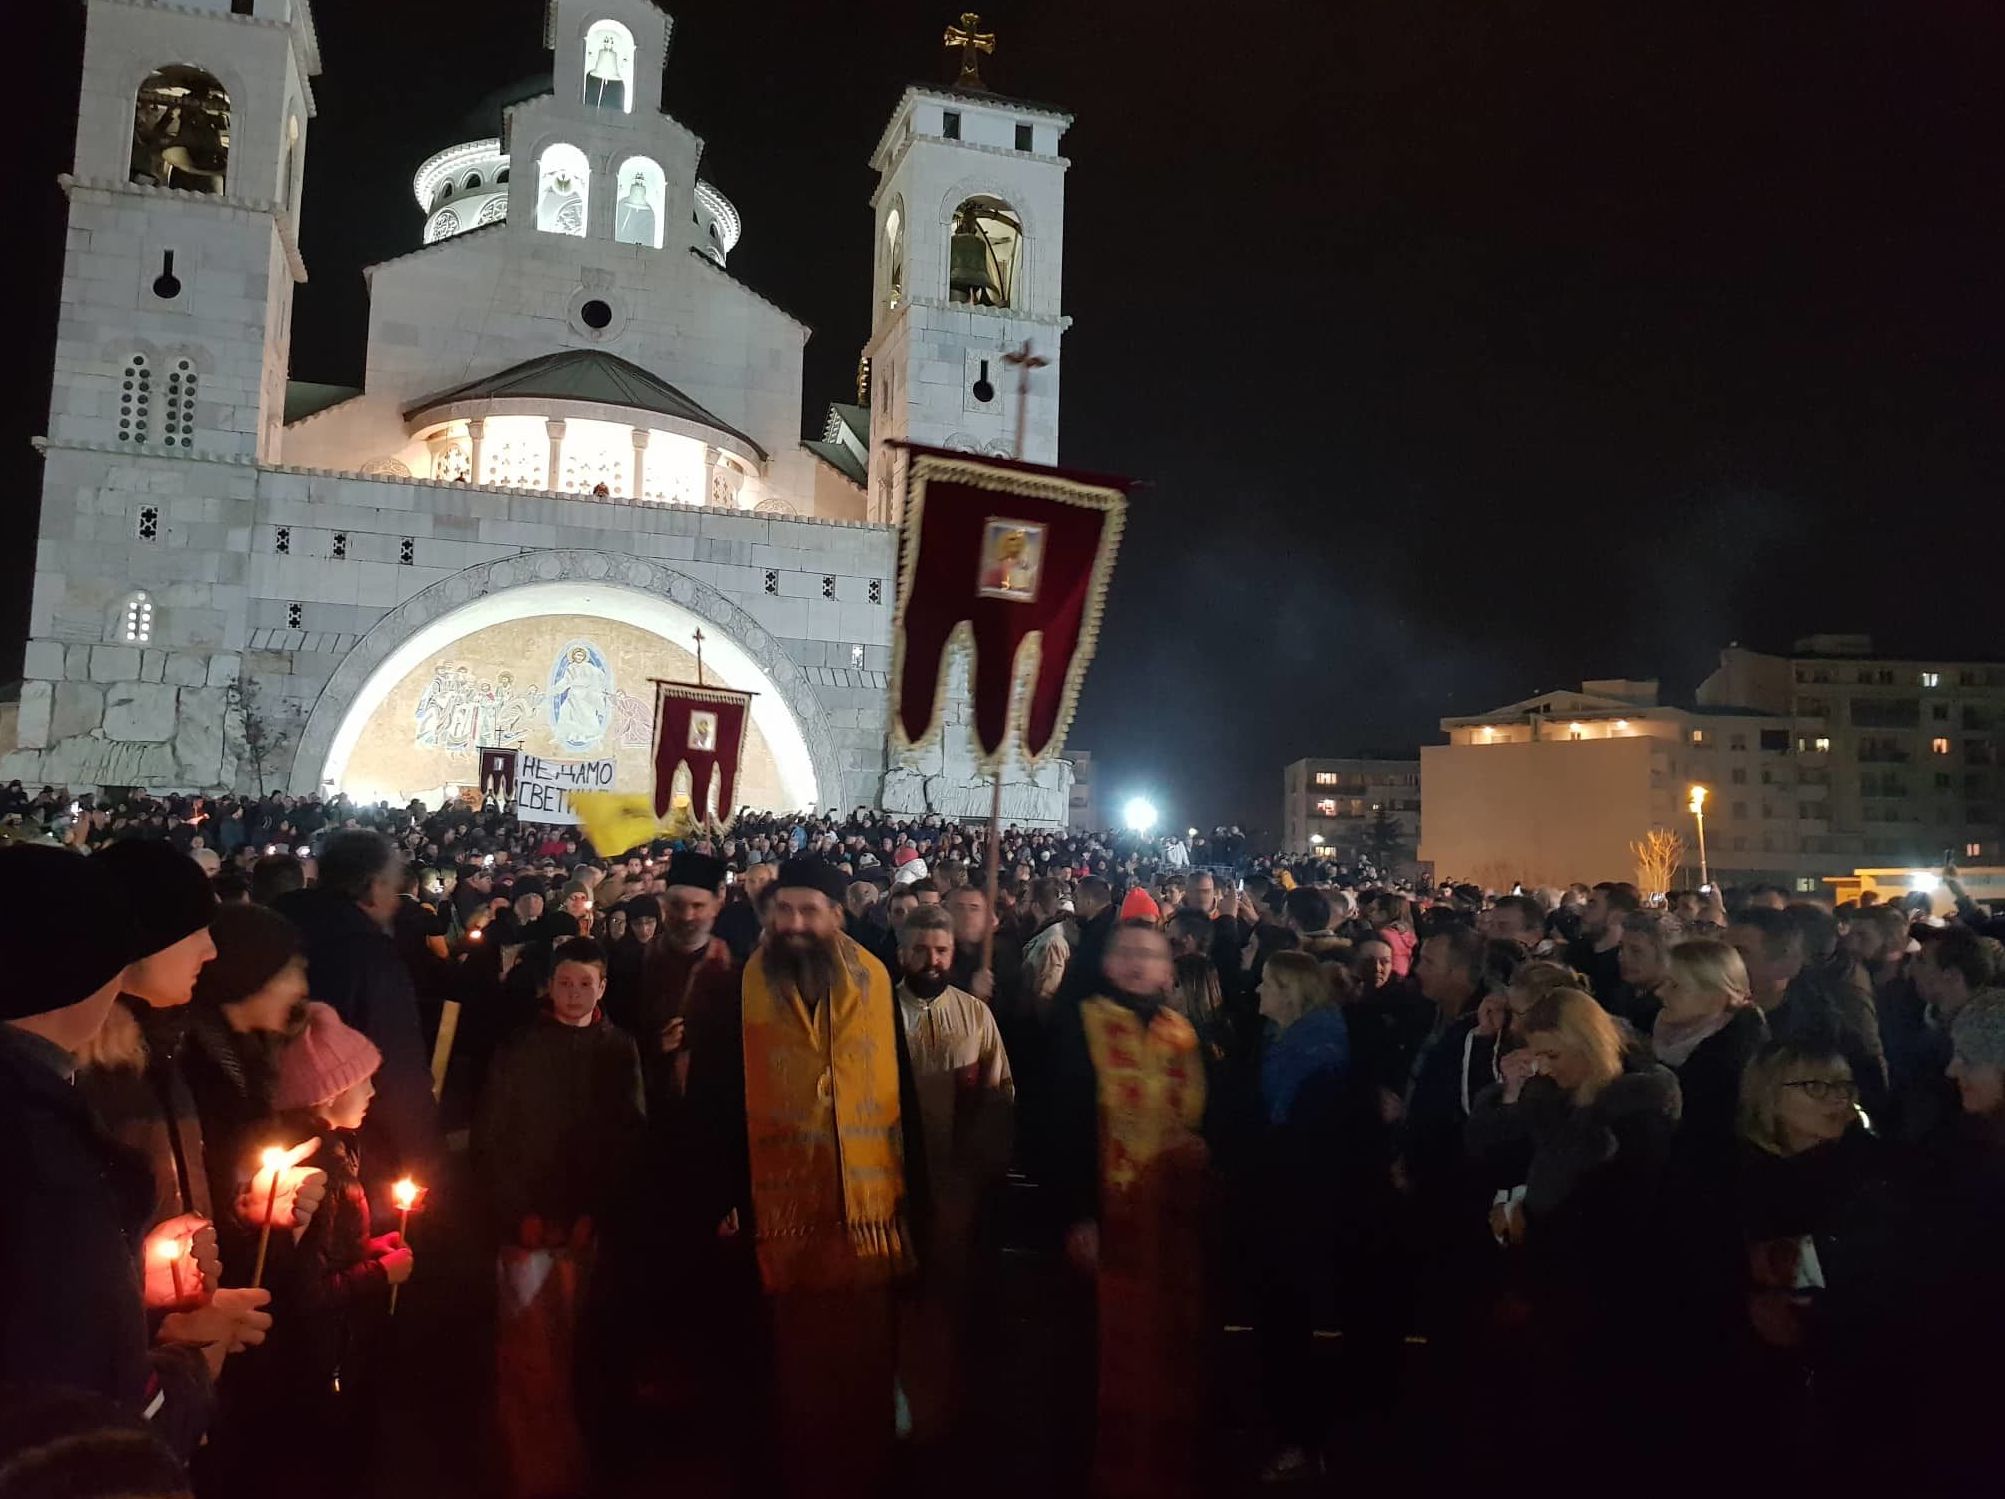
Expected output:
(1469, 349)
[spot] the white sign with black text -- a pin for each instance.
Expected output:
(543, 787)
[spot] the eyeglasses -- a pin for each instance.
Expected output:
(1824, 1089)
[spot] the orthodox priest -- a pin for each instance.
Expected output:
(1131, 1173)
(803, 1108)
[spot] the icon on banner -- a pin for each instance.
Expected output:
(703, 731)
(1012, 560)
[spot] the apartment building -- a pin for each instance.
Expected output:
(1347, 808)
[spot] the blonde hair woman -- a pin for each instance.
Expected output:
(1291, 985)
(1706, 1033)
(1590, 1121)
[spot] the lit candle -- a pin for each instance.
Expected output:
(405, 1193)
(273, 1160)
(172, 1251)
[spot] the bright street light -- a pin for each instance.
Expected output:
(1698, 806)
(1315, 840)
(1139, 814)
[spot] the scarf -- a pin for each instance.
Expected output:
(1674, 1041)
(822, 1120)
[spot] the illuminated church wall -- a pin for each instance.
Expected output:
(564, 686)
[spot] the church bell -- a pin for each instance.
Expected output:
(970, 268)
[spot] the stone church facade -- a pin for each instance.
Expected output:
(574, 423)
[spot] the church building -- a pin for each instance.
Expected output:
(576, 445)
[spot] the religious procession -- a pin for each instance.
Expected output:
(561, 951)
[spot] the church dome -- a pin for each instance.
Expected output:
(462, 187)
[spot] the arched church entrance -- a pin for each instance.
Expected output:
(552, 653)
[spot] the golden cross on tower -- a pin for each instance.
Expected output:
(973, 42)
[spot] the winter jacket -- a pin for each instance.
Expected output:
(353, 965)
(78, 1204)
(1709, 1085)
(561, 1123)
(133, 1078)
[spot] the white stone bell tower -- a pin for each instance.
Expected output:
(970, 215)
(183, 237)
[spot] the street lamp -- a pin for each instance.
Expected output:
(1140, 815)
(1698, 806)
(1315, 840)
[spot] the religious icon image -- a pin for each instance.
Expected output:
(1012, 559)
(703, 731)
(581, 696)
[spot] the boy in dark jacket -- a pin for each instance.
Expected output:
(556, 1142)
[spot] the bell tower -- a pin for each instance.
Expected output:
(970, 232)
(183, 226)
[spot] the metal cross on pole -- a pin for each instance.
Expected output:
(1025, 362)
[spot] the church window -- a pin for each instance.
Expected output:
(473, 180)
(134, 420)
(243, 7)
(339, 550)
(596, 314)
(407, 551)
(856, 655)
(637, 215)
(950, 124)
(294, 615)
(135, 626)
(772, 582)
(894, 252)
(167, 285)
(288, 184)
(984, 252)
(149, 523)
(445, 191)
(181, 131)
(1025, 139)
(609, 67)
(501, 176)
(282, 541)
(563, 180)
(876, 590)
(179, 429)
(828, 585)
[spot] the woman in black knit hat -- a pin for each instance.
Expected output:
(249, 1001)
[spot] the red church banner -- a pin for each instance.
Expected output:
(1011, 560)
(700, 731)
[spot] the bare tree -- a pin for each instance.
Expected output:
(1658, 854)
(261, 734)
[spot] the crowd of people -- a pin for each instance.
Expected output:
(754, 1126)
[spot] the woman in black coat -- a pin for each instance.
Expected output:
(1706, 1033)
(1576, 1138)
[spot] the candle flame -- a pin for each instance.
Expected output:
(404, 1193)
(170, 1249)
(274, 1159)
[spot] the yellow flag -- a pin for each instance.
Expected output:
(616, 821)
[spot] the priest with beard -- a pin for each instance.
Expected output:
(684, 963)
(805, 1115)
(1130, 1172)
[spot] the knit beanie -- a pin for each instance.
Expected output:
(64, 927)
(252, 945)
(166, 893)
(1140, 906)
(1978, 1032)
(325, 1062)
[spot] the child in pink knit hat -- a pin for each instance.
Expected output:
(334, 1281)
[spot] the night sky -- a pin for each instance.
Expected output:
(1468, 349)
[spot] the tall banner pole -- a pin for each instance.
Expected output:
(1025, 362)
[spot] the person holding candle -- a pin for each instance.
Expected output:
(331, 1288)
(78, 1201)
